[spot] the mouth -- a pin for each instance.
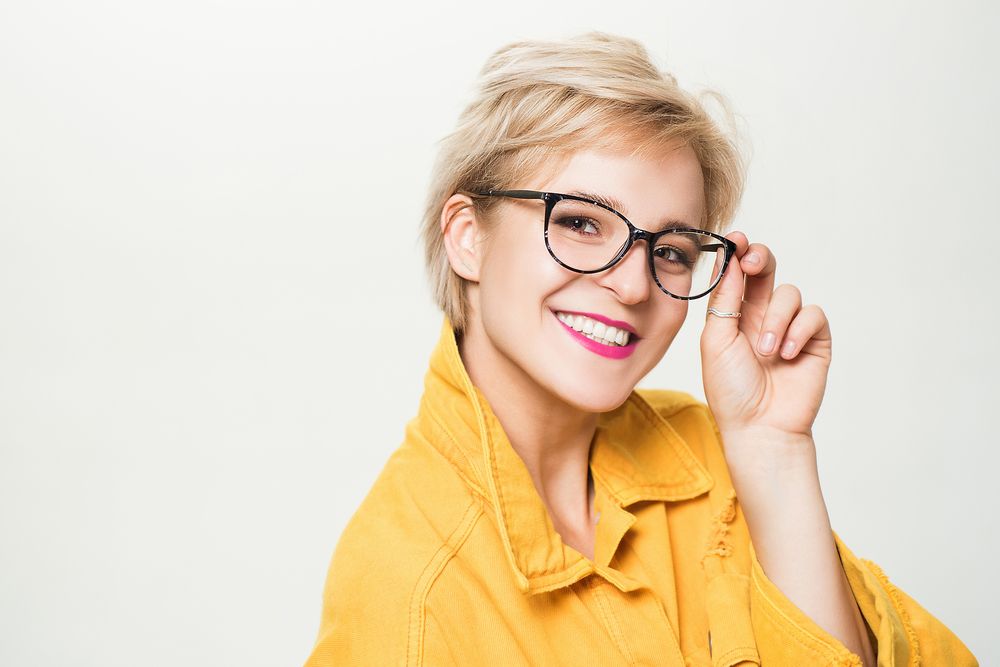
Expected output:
(603, 330)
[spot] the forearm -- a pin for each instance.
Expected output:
(777, 483)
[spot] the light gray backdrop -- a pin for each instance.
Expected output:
(206, 354)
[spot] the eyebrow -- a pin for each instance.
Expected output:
(610, 201)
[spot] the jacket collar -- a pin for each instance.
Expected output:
(636, 454)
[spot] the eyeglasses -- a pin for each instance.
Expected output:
(587, 236)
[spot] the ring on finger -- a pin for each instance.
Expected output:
(722, 313)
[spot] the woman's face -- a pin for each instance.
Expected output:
(521, 289)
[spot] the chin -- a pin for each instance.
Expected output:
(594, 399)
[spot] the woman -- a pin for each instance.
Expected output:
(543, 510)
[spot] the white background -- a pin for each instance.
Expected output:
(215, 321)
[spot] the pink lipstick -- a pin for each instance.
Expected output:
(609, 351)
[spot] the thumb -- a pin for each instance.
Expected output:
(727, 297)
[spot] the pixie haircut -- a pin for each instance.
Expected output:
(536, 102)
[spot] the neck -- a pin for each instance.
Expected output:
(552, 437)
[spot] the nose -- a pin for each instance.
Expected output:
(630, 278)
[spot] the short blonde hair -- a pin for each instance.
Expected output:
(538, 101)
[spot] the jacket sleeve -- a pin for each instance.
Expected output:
(374, 608)
(384, 625)
(359, 625)
(904, 632)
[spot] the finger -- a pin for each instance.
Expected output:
(728, 294)
(810, 324)
(759, 265)
(784, 305)
(741, 241)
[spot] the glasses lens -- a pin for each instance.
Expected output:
(687, 263)
(585, 236)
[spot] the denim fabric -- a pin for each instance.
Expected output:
(452, 559)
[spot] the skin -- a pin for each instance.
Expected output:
(547, 390)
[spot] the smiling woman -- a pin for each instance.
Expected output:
(543, 510)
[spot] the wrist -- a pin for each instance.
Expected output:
(777, 482)
(769, 457)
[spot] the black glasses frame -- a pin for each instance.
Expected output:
(635, 234)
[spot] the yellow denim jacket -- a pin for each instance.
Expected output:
(452, 559)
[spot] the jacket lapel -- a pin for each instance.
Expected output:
(636, 453)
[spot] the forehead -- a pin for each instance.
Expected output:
(649, 190)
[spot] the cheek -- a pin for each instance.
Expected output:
(671, 315)
(518, 273)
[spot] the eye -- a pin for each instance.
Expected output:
(581, 226)
(672, 254)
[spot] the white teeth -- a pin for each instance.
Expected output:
(595, 330)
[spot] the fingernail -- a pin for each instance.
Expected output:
(766, 343)
(752, 258)
(788, 348)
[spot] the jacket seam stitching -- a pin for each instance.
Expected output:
(693, 404)
(891, 591)
(416, 618)
(469, 481)
(491, 473)
(669, 433)
(612, 622)
(697, 405)
(817, 645)
(670, 628)
(677, 409)
(746, 653)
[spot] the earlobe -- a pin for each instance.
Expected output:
(461, 230)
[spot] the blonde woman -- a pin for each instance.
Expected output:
(542, 510)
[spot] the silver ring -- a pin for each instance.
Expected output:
(721, 313)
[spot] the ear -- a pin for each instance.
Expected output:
(462, 236)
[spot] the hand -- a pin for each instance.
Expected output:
(775, 393)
